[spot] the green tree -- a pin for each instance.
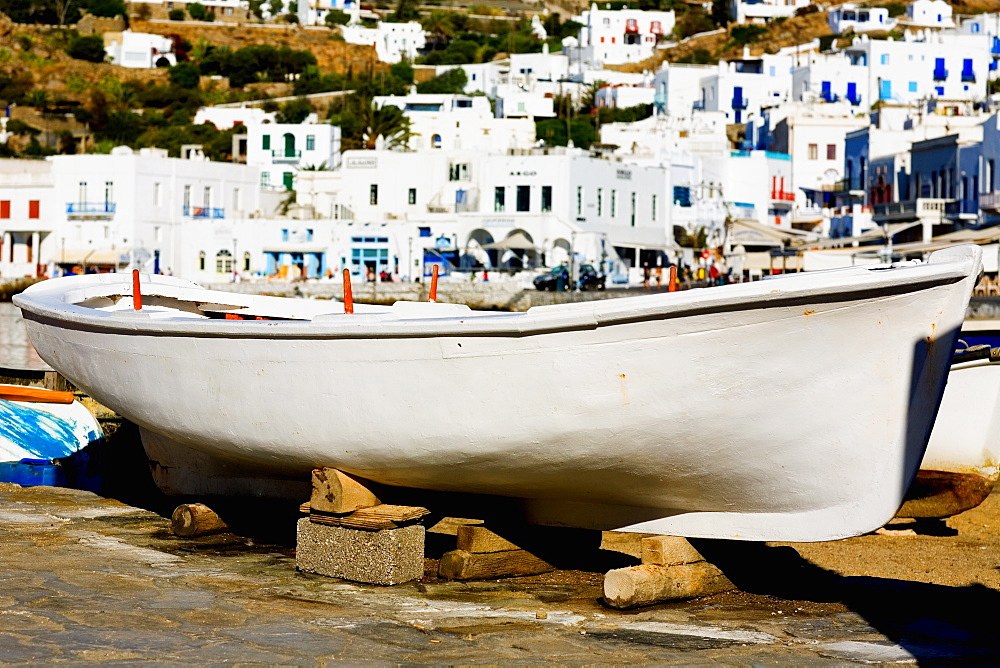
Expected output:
(107, 8)
(438, 24)
(185, 75)
(450, 82)
(197, 11)
(402, 70)
(87, 47)
(294, 111)
(388, 122)
(176, 14)
(337, 17)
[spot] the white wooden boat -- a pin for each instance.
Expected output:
(962, 461)
(792, 409)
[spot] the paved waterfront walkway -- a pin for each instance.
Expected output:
(88, 580)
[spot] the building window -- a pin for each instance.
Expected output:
(912, 87)
(201, 261)
(579, 200)
(266, 142)
(310, 142)
(5, 208)
(884, 59)
(223, 262)
(600, 202)
(373, 194)
(654, 209)
(614, 202)
(411, 196)
(546, 198)
(109, 192)
(831, 151)
(288, 180)
(265, 179)
(157, 233)
(236, 199)
(187, 198)
(524, 198)
(424, 231)
(813, 151)
(81, 195)
(458, 172)
(631, 210)
(499, 199)
(157, 194)
(246, 261)
(435, 141)
(206, 197)
(34, 208)
(284, 234)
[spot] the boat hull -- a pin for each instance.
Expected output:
(742, 412)
(962, 462)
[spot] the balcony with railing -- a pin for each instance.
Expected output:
(962, 209)
(204, 212)
(854, 98)
(781, 198)
(990, 202)
(285, 156)
(940, 73)
(77, 210)
(829, 96)
(739, 102)
(919, 209)
(968, 74)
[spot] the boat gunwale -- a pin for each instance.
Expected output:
(347, 326)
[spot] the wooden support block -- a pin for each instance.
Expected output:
(669, 551)
(623, 542)
(195, 519)
(334, 491)
(376, 518)
(479, 539)
(462, 565)
(649, 583)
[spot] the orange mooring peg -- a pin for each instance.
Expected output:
(433, 297)
(348, 295)
(672, 286)
(136, 295)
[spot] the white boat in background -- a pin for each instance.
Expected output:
(962, 461)
(794, 409)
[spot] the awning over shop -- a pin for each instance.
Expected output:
(745, 232)
(875, 234)
(295, 248)
(90, 256)
(516, 241)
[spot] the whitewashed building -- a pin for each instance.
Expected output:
(763, 11)
(929, 14)
(455, 122)
(677, 88)
(281, 150)
(858, 19)
(137, 49)
(393, 42)
(127, 208)
(616, 36)
(742, 88)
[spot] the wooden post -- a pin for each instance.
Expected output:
(432, 297)
(136, 294)
(672, 285)
(348, 295)
(651, 583)
(334, 491)
(195, 519)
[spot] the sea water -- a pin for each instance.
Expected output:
(15, 350)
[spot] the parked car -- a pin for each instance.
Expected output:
(589, 278)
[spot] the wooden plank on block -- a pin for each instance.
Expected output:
(480, 540)
(650, 583)
(669, 551)
(334, 491)
(624, 542)
(195, 519)
(462, 565)
(376, 518)
(448, 526)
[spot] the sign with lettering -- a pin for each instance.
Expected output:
(625, 174)
(362, 163)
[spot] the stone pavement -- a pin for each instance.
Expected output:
(88, 580)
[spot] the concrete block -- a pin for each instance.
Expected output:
(386, 557)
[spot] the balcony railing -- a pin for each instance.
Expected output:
(739, 103)
(782, 196)
(90, 208)
(968, 75)
(911, 209)
(940, 74)
(286, 156)
(204, 212)
(829, 96)
(965, 208)
(990, 201)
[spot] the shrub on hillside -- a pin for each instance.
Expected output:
(176, 14)
(87, 47)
